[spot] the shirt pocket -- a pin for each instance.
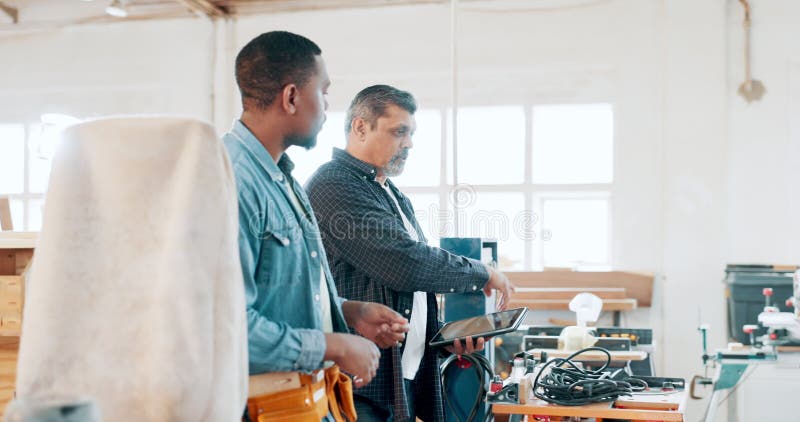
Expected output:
(281, 253)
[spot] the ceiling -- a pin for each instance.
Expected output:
(31, 13)
(22, 14)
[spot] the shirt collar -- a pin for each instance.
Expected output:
(344, 157)
(275, 171)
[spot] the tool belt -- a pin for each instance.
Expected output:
(301, 397)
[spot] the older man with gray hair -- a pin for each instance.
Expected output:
(378, 253)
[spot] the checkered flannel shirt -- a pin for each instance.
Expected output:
(373, 259)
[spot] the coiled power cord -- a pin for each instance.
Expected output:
(484, 371)
(567, 384)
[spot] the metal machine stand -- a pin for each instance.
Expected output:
(730, 368)
(463, 384)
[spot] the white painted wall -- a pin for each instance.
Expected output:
(701, 178)
(91, 70)
(763, 166)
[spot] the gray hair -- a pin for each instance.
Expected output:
(372, 101)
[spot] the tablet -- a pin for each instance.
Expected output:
(480, 326)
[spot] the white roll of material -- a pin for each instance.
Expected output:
(135, 300)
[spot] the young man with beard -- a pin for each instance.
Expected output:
(296, 321)
(378, 253)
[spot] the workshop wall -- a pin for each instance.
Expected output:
(96, 70)
(701, 177)
(764, 137)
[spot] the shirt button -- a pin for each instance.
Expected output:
(285, 241)
(316, 297)
(452, 290)
(364, 177)
(313, 254)
(474, 288)
(408, 311)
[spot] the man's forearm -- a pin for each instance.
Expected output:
(351, 310)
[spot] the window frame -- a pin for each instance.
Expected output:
(27, 197)
(534, 193)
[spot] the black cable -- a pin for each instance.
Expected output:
(482, 366)
(568, 385)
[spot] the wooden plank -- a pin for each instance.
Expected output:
(205, 7)
(638, 286)
(12, 12)
(650, 401)
(8, 262)
(15, 261)
(18, 240)
(9, 348)
(563, 304)
(6, 224)
(596, 410)
(593, 356)
(566, 292)
(24, 257)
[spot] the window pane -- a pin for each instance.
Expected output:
(493, 215)
(573, 143)
(35, 211)
(12, 158)
(491, 145)
(308, 161)
(426, 209)
(424, 164)
(576, 232)
(42, 144)
(17, 214)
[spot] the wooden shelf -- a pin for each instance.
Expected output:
(18, 240)
(655, 407)
(563, 304)
(638, 286)
(592, 356)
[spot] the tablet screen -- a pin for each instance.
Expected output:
(483, 324)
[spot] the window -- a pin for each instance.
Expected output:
(306, 162)
(491, 145)
(536, 178)
(26, 153)
(424, 164)
(577, 232)
(572, 144)
(12, 159)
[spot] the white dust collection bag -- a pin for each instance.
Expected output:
(135, 300)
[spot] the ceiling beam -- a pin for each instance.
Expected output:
(12, 12)
(205, 7)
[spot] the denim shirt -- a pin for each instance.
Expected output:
(281, 254)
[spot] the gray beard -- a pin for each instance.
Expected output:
(394, 168)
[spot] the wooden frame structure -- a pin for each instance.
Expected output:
(553, 290)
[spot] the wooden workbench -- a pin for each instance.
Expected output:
(640, 407)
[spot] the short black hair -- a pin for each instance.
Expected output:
(371, 103)
(272, 60)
